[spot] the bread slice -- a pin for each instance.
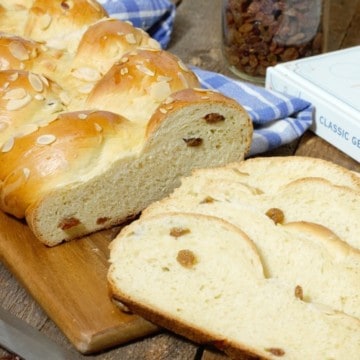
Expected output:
(305, 255)
(201, 277)
(281, 170)
(268, 174)
(93, 169)
(314, 200)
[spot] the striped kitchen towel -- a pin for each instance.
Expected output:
(278, 119)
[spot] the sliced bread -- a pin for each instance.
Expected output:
(308, 256)
(313, 200)
(204, 281)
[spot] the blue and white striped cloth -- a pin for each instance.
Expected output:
(154, 16)
(278, 119)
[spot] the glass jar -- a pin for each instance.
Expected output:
(262, 33)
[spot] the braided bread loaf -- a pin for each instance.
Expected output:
(96, 121)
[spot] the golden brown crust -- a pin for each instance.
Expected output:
(48, 19)
(17, 52)
(107, 41)
(45, 158)
(27, 100)
(142, 79)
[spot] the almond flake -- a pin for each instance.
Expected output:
(26, 172)
(159, 90)
(124, 59)
(145, 70)
(82, 116)
(204, 97)
(13, 77)
(87, 74)
(130, 38)
(124, 71)
(153, 44)
(46, 139)
(44, 79)
(4, 64)
(5, 86)
(65, 98)
(45, 21)
(18, 51)
(18, 103)
(39, 97)
(97, 127)
(164, 78)
(15, 94)
(163, 111)
(36, 82)
(9, 144)
(168, 100)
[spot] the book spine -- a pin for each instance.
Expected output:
(332, 121)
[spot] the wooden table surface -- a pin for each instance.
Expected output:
(196, 40)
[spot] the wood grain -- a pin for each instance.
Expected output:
(69, 283)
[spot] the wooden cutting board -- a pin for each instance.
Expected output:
(69, 283)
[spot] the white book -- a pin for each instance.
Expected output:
(331, 82)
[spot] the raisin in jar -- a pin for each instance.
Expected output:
(262, 33)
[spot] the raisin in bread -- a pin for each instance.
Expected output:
(204, 280)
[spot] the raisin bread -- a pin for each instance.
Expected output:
(204, 280)
(287, 250)
(96, 121)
